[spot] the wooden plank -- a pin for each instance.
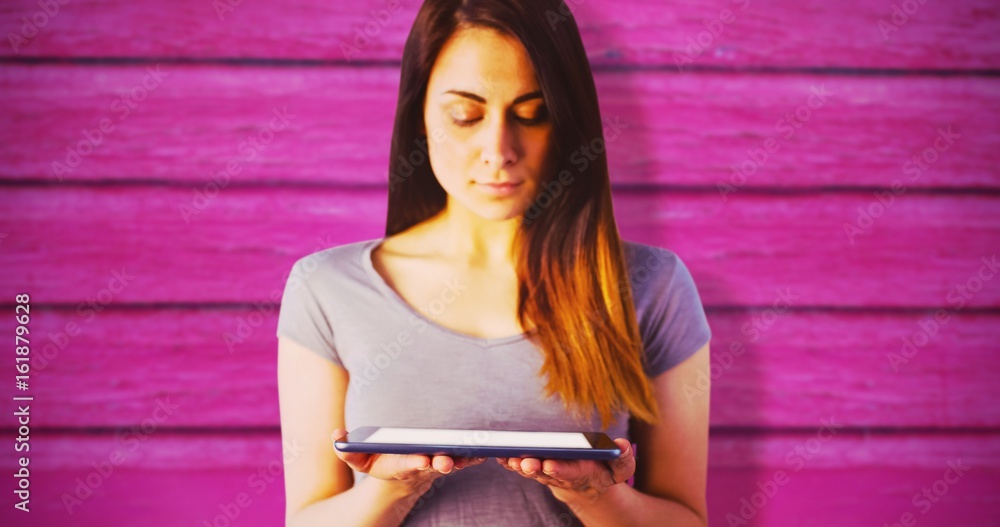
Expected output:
(216, 367)
(198, 119)
(887, 470)
(776, 242)
(780, 34)
(166, 448)
(811, 498)
(819, 498)
(175, 498)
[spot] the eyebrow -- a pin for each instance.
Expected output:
(468, 95)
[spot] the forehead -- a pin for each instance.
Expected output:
(483, 61)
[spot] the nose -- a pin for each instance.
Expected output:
(500, 144)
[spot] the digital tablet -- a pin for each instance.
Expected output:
(479, 443)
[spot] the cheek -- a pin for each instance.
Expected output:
(449, 159)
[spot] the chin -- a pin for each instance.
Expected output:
(498, 210)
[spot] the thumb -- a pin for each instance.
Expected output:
(355, 460)
(623, 466)
(337, 434)
(626, 447)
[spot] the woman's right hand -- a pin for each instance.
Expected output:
(414, 472)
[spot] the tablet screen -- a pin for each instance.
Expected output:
(431, 436)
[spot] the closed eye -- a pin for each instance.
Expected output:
(466, 122)
(534, 121)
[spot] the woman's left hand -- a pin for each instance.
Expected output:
(576, 481)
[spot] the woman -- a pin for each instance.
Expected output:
(500, 298)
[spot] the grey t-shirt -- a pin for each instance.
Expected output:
(407, 370)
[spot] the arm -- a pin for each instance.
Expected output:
(670, 473)
(319, 485)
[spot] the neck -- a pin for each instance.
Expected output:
(477, 241)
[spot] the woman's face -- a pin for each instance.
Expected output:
(486, 122)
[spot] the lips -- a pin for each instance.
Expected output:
(501, 189)
(502, 184)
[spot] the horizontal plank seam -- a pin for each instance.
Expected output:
(719, 431)
(7, 181)
(597, 65)
(132, 307)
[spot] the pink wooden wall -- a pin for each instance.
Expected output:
(153, 290)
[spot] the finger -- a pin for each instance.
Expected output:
(538, 476)
(443, 464)
(530, 465)
(572, 471)
(555, 468)
(412, 462)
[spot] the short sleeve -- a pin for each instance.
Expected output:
(301, 317)
(675, 321)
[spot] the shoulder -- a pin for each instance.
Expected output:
(636, 252)
(668, 307)
(652, 268)
(329, 264)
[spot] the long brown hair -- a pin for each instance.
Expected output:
(571, 269)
